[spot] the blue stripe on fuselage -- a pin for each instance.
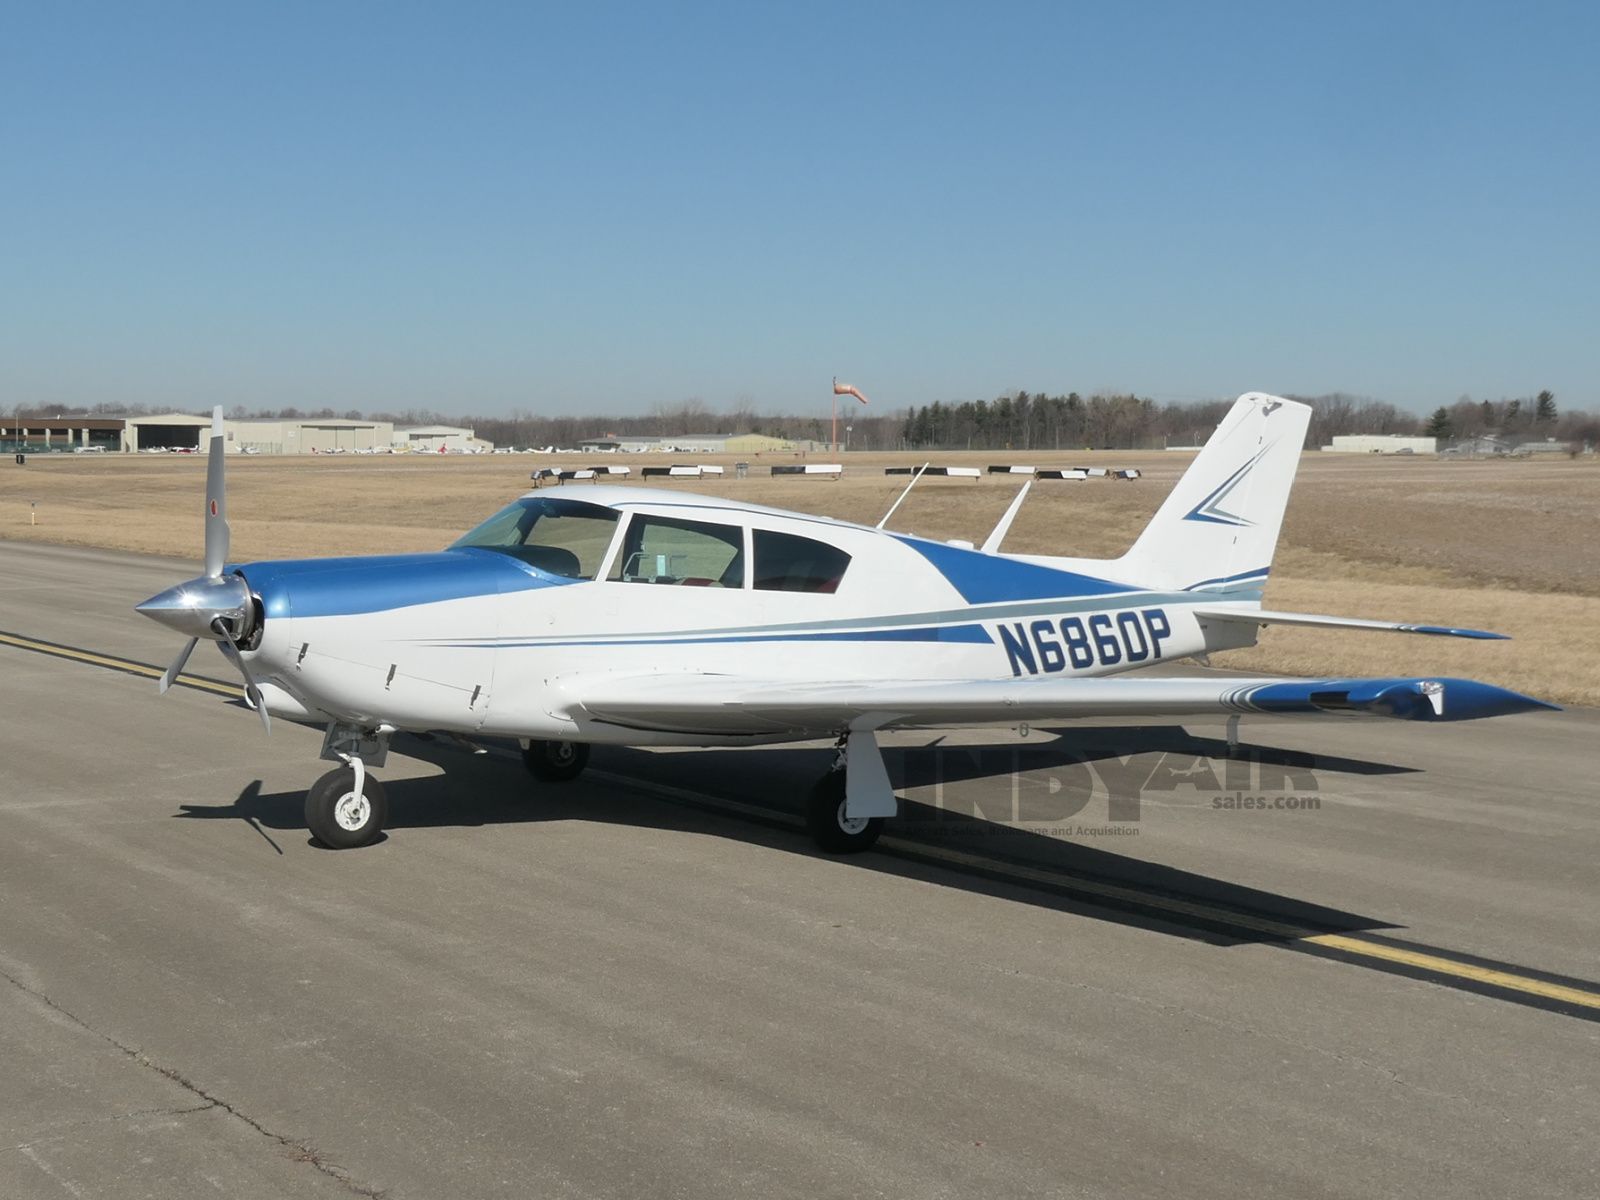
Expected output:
(1235, 578)
(969, 634)
(336, 587)
(987, 578)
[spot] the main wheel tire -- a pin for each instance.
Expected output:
(829, 827)
(340, 818)
(556, 762)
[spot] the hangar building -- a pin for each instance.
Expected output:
(314, 435)
(185, 431)
(36, 434)
(169, 431)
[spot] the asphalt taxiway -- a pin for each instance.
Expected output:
(646, 983)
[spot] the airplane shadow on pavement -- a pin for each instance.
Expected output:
(1005, 820)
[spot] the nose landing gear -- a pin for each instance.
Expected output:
(347, 807)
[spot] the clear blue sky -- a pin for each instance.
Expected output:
(586, 207)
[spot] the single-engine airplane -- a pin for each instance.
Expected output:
(647, 617)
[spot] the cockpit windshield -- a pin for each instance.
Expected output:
(563, 537)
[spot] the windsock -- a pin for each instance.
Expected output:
(844, 389)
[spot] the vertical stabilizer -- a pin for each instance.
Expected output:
(1219, 527)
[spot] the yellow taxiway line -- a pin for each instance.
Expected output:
(1196, 910)
(128, 665)
(1493, 977)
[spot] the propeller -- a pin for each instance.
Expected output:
(170, 675)
(214, 607)
(252, 693)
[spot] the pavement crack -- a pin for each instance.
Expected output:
(297, 1149)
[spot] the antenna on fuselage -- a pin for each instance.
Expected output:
(903, 495)
(991, 544)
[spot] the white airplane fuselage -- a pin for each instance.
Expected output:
(477, 641)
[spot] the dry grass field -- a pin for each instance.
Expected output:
(1504, 545)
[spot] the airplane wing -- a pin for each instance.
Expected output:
(1257, 616)
(729, 704)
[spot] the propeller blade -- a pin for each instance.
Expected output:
(251, 692)
(176, 669)
(216, 500)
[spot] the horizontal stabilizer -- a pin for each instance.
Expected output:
(1254, 616)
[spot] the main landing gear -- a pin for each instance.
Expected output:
(555, 762)
(847, 806)
(828, 823)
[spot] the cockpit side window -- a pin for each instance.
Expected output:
(785, 562)
(561, 537)
(688, 553)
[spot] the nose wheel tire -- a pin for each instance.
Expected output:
(827, 824)
(339, 816)
(556, 762)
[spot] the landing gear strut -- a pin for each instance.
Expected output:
(347, 807)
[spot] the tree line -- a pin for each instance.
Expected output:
(1017, 421)
(1122, 422)
(1513, 421)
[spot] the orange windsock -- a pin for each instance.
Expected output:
(844, 389)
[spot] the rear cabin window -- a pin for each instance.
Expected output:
(686, 553)
(787, 563)
(562, 537)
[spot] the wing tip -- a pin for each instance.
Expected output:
(1482, 635)
(1439, 699)
(1487, 700)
